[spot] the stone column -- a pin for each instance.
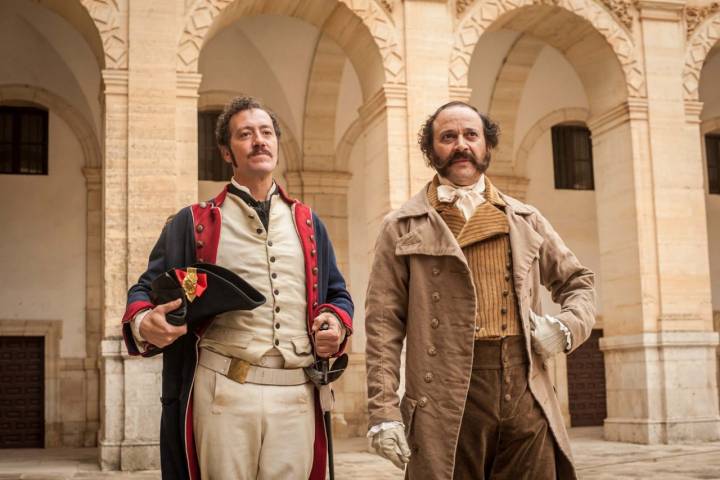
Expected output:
(93, 302)
(186, 131)
(427, 75)
(659, 345)
(114, 252)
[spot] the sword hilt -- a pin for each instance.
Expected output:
(325, 363)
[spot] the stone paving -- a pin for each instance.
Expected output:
(596, 460)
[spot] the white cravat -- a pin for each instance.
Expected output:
(468, 196)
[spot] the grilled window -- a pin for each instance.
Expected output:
(572, 157)
(23, 141)
(211, 166)
(712, 150)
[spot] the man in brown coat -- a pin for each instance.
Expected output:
(457, 274)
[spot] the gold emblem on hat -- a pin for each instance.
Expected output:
(189, 284)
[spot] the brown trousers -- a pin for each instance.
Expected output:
(504, 433)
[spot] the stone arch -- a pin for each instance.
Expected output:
(289, 150)
(363, 29)
(505, 98)
(540, 127)
(70, 115)
(346, 144)
(321, 106)
(700, 42)
(575, 27)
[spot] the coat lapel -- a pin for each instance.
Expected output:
(525, 243)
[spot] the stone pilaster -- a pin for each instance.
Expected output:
(659, 345)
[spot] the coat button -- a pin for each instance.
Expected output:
(203, 204)
(272, 259)
(276, 291)
(314, 286)
(435, 296)
(312, 238)
(432, 351)
(315, 304)
(273, 275)
(199, 228)
(435, 271)
(277, 309)
(428, 377)
(200, 244)
(200, 260)
(434, 323)
(270, 244)
(314, 270)
(277, 326)
(312, 252)
(259, 231)
(505, 293)
(308, 222)
(422, 401)
(503, 310)
(277, 342)
(507, 397)
(507, 277)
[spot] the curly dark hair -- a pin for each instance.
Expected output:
(236, 105)
(491, 131)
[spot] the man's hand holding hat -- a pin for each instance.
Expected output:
(155, 329)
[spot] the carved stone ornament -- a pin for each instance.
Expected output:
(373, 13)
(481, 15)
(113, 30)
(462, 5)
(621, 10)
(694, 16)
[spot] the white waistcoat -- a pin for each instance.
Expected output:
(272, 262)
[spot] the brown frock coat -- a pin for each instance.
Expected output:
(421, 290)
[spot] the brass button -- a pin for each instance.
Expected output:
(434, 323)
(422, 401)
(314, 286)
(277, 309)
(273, 275)
(315, 304)
(507, 379)
(312, 252)
(507, 397)
(200, 244)
(272, 259)
(203, 204)
(312, 238)
(507, 277)
(199, 228)
(432, 351)
(505, 293)
(270, 244)
(200, 260)
(435, 271)
(308, 221)
(503, 310)
(428, 377)
(314, 270)
(508, 265)
(435, 296)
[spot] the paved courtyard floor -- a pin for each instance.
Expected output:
(596, 460)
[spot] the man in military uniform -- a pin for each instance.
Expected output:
(236, 400)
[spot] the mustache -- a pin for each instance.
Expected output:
(260, 151)
(459, 156)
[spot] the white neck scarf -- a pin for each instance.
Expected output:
(468, 196)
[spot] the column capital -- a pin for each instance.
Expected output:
(664, 10)
(311, 182)
(116, 81)
(188, 84)
(633, 109)
(693, 109)
(391, 95)
(93, 177)
(461, 94)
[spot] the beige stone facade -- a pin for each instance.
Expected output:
(352, 81)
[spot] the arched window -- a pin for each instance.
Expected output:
(23, 141)
(211, 166)
(712, 151)
(572, 157)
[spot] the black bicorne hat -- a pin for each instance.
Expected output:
(206, 290)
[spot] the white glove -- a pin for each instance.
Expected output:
(549, 335)
(391, 444)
